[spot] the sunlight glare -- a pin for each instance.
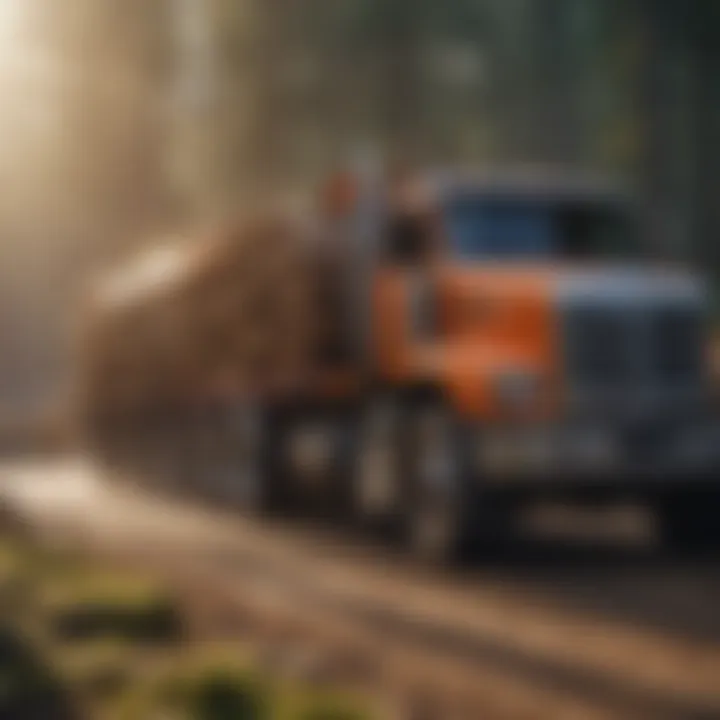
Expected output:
(12, 15)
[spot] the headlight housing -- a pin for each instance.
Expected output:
(518, 389)
(594, 447)
(517, 449)
(697, 444)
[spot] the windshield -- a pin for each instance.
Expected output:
(522, 229)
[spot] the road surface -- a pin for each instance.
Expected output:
(545, 630)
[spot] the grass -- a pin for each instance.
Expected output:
(109, 607)
(91, 642)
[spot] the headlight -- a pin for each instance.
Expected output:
(518, 389)
(697, 444)
(595, 447)
(497, 452)
(516, 450)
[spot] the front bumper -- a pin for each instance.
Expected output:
(598, 454)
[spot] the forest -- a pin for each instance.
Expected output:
(189, 104)
(122, 118)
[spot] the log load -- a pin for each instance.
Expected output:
(234, 311)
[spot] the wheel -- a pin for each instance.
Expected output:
(188, 463)
(164, 452)
(377, 473)
(179, 451)
(263, 478)
(440, 513)
(201, 435)
(222, 461)
(233, 455)
(318, 448)
(691, 520)
(205, 471)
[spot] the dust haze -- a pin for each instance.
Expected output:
(120, 120)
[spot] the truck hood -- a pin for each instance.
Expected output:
(605, 283)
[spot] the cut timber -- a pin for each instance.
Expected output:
(232, 311)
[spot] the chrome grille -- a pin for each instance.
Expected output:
(598, 348)
(618, 355)
(676, 336)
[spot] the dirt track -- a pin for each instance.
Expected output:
(541, 632)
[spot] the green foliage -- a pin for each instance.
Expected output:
(320, 704)
(89, 604)
(101, 671)
(220, 694)
(91, 620)
(331, 709)
(203, 686)
(29, 686)
(106, 643)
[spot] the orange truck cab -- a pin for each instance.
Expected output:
(516, 339)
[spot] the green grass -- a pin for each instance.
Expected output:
(318, 705)
(111, 645)
(105, 606)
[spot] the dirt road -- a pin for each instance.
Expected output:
(544, 631)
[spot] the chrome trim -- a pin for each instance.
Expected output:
(628, 302)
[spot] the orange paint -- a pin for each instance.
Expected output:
(491, 320)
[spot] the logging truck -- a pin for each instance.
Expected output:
(461, 343)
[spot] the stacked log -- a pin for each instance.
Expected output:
(249, 298)
(232, 312)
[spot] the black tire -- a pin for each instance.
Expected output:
(377, 482)
(231, 457)
(320, 486)
(690, 521)
(262, 478)
(187, 455)
(201, 433)
(179, 453)
(222, 461)
(164, 452)
(439, 521)
(341, 504)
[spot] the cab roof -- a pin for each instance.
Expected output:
(544, 183)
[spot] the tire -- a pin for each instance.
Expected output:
(319, 482)
(202, 435)
(258, 462)
(691, 521)
(440, 512)
(179, 452)
(377, 480)
(165, 464)
(341, 503)
(188, 472)
(232, 456)
(227, 455)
